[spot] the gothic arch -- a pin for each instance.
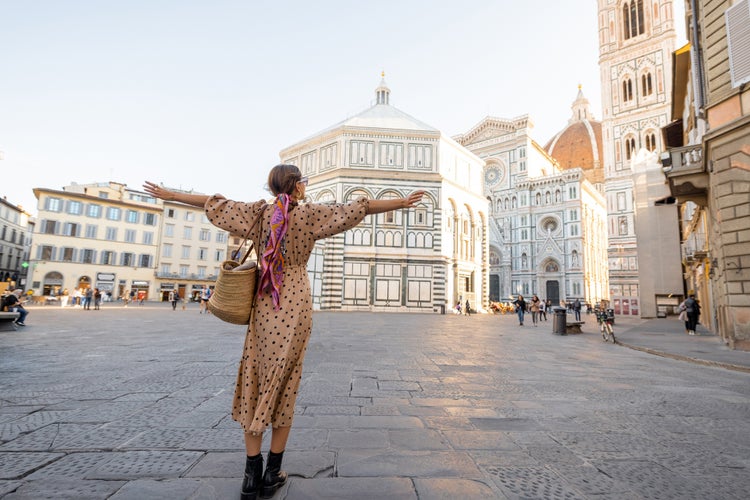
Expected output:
(324, 196)
(549, 265)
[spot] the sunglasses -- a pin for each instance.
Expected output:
(303, 181)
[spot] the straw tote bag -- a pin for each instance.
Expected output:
(233, 299)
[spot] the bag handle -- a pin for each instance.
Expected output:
(247, 236)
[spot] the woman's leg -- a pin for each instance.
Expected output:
(252, 444)
(279, 437)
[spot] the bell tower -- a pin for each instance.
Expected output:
(636, 41)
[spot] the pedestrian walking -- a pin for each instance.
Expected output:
(577, 309)
(204, 296)
(270, 370)
(543, 310)
(520, 304)
(534, 309)
(693, 311)
(97, 298)
(467, 311)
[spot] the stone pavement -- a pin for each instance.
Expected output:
(133, 403)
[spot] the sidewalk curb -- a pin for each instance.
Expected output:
(716, 364)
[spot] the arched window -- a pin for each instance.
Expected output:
(627, 90)
(539, 198)
(629, 147)
(632, 19)
(651, 141)
(647, 87)
(626, 20)
(514, 202)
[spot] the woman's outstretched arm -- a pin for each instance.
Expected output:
(196, 200)
(380, 206)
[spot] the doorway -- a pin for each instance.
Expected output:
(553, 292)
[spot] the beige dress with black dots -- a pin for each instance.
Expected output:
(271, 366)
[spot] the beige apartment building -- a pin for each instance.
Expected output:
(120, 240)
(191, 250)
(16, 226)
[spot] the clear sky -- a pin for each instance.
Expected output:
(204, 94)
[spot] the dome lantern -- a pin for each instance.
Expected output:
(382, 93)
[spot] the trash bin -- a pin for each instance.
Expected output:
(559, 320)
(611, 315)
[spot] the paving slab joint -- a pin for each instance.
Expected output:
(716, 364)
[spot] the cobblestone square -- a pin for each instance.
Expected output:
(133, 403)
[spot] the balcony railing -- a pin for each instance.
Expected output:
(686, 173)
(189, 276)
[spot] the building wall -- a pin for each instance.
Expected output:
(15, 244)
(729, 206)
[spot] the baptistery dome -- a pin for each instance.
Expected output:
(579, 144)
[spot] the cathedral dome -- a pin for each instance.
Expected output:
(579, 144)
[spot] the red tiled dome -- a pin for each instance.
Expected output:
(579, 144)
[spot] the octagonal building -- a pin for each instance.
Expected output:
(424, 259)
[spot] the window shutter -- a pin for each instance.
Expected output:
(737, 18)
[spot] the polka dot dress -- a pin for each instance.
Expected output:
(271, 366)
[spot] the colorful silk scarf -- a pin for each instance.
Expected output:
(272, 260)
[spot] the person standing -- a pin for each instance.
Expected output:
(173, 299)
(693, 310)
(543, 310)
(97, 298)
(87, 296)
(270, 370)
(534, 309)
(520, 308)
(467, 311)
(577, 309)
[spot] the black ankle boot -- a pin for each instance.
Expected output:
(274, 478)
(252, 483)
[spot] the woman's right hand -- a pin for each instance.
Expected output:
(158, 191)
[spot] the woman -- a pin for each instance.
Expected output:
(520, 308)
(270, 369)
(535, 308)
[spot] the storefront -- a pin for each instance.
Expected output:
(140, 288)
(165, 290)
(105, 282)
(52, 283)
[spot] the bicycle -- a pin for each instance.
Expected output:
(605, 325)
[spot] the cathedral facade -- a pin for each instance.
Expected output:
(547, 224)
(421, 260)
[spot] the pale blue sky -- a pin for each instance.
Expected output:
(204, 94)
